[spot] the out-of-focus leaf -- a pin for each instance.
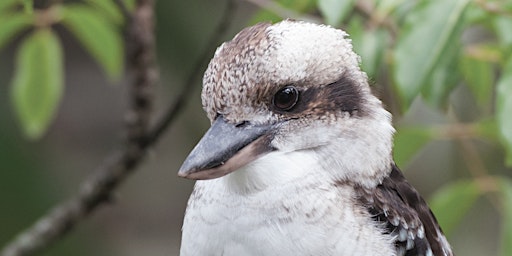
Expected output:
(476, 14)
(300, 6)
(487, 52)
(264, 15)
(408, 141)
(101, 39)
(369, 44)
(287, 6)
(402, 10)
(385, 7)
(488, 129)
(504, 109)
(355, 29)
(429, 31)
(452, 201)
(502, 26)
(505, 187)
(28, 6)
(372, 50)
(110, 9)
(6, 4)
(130, 4)
(38, 81)
(10, 25)
(334, 11)
(478, 76)
(443, 78)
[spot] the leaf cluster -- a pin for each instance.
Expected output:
(427, 50)
(417, 50)
(38, 83)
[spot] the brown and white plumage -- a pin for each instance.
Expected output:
(298, 158)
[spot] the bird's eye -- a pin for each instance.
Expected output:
(286, 98)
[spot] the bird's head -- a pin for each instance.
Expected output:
(290, 87)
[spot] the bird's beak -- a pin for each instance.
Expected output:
(225, 148)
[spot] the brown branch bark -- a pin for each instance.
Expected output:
(182, 97)
(367, 10)
(97, 189)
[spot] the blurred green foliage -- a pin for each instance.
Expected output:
(39, 69)
(420, 50)
(37, 84)
(415, 50)
(426, 50)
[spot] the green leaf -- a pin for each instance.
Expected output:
(478, 75)
(334, 11)
(451, 202)
(109, 9)
(11, 25)
(369, 44)
(408, 141)
(476, 14)
(443, 79)
(130, 4)
(384, 7)
(286, 6)
(28, 6)
(429, 30)
(6, 4)
(300, 6)
(101, 39)
(502, 25)
(488, 129)
(264, 15)
(372, 50)
(38, 81)
(505, 187)
(504, 108)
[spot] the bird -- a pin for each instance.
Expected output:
(298, 157)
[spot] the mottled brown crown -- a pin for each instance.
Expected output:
(247, 71)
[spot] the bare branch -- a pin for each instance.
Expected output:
(97, 189)
(211, 45)
(65, 216)
(141, 50)
(367, 10)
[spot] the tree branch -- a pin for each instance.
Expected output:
(211, 45)
(367, 10)
(97, 189)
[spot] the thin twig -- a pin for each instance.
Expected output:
(141, 45)
(477, 169)
(367, 10)
(473, 160)
(494, 7)
(211, 45)
(97, 189)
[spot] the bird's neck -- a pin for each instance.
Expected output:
(308, 166)
(272, 170)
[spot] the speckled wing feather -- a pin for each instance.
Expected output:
(405, 215)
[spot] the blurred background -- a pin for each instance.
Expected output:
(451, 140)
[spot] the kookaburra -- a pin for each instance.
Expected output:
(298, 159)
